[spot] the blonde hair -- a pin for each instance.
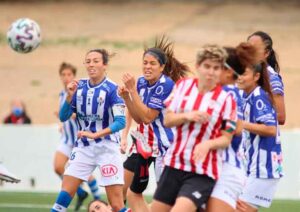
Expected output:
(212, 52)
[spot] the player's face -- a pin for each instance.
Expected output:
(209, 72)
(248, 80)
(226, 76)
(94, 65)
(151, 68)
(66, 76)
(260, 47)
(98, 206)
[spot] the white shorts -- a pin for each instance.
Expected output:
(65, 149)
(159, 167)
(259, 192)
(105, 155)
(230, 185)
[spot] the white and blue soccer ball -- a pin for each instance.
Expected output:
(24, 35)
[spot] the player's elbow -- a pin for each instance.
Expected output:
(147, 120)
(281, 119)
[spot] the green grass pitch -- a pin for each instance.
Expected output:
(42, 202)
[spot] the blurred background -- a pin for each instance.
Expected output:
(71, 28)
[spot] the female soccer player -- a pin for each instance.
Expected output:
(204, 116)
(144, 101)
(100, 115)
(67, 73)
(99, 206)
(229, 187)
(262, 148)
(264, 44)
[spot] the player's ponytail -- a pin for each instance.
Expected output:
(163, 49)
(264, 81)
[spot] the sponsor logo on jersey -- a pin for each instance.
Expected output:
(109, 170)
(159, 90)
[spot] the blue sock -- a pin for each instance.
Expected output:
(80, 192)
(125, 210)
(94, 189)
(62, 202)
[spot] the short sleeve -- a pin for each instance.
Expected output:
(160, 94)
(264, 112)
(114, 98)
(276, 84)
(230, 109)
(171, 102)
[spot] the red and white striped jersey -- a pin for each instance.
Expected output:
(221, 107)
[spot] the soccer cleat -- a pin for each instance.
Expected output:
(141, 143)
(5, 175)
(80, 200)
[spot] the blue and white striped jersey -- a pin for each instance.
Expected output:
(159, 137)
(275, 82)
(230, 154)
(69, 132)
(95, 108)
(263, 154)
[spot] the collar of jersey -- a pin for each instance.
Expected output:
(251, 94)
(95, 86)
(152, 86)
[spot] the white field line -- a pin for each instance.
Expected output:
(27, 205)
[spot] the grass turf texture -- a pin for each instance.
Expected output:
(40, 202)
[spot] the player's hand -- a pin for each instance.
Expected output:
(201, 150)
(123, 92)
(129, 82)
(87, 134)
(123, 145)
(72, 87)
(197, 116)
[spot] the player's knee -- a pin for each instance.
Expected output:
(117, 206)
(139, 187)
(59, 170)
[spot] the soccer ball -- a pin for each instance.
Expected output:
(24, 35)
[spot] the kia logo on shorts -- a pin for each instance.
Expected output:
(109, 170)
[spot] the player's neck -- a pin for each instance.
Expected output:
(96, 81)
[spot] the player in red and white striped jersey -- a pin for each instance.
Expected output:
(205, 117)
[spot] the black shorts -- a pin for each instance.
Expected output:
(140, 166)
(176, 183)
(131, 161)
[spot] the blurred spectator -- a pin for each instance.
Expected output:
(18, 114)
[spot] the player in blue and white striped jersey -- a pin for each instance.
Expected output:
(264, 45)
(262, 148)
(144, 99)
(67, 73)
(99, 116)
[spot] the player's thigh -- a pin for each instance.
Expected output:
(60, 161)
(160, 206)
(214, 205)
(184, 204)
(115, 196)
(70, 184)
